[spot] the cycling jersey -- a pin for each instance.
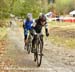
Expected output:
(27, 24)
(38, 26)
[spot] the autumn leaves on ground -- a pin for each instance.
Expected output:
(3, 43)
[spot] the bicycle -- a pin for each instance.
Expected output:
(38, 46)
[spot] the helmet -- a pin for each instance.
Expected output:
(29, 15)
(42, 17)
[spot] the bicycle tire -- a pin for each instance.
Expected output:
(39, 55)
(28, 49)
(29, 45)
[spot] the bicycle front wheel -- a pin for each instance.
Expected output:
(39, 53)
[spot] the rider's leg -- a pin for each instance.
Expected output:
(41, 37)
(33, 43)
(25, 37)
(25, 40)
(33, 33)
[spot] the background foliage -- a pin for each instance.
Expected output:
(22, 7)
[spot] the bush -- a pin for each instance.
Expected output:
(3, 23)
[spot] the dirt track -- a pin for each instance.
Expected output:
(16, 59)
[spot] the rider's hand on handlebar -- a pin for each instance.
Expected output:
(47, 34)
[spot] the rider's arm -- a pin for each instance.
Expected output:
(46, 29)
(34, 23)
(24, 23)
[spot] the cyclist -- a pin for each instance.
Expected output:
(27, 25)
(39, 23)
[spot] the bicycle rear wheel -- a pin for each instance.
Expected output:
(29, 45)
(28, 49)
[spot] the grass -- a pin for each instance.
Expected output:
(60, 24)
(3, 33)
(59, 41)
(20, 23)
(3, 28)
(62, 34)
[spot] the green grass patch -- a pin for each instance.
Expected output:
(4, 22)
(3, 33)
(66, 42)
(62, 34)
(59, 24)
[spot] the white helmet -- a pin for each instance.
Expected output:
(29, 15)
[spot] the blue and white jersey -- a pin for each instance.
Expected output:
(28, 24)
